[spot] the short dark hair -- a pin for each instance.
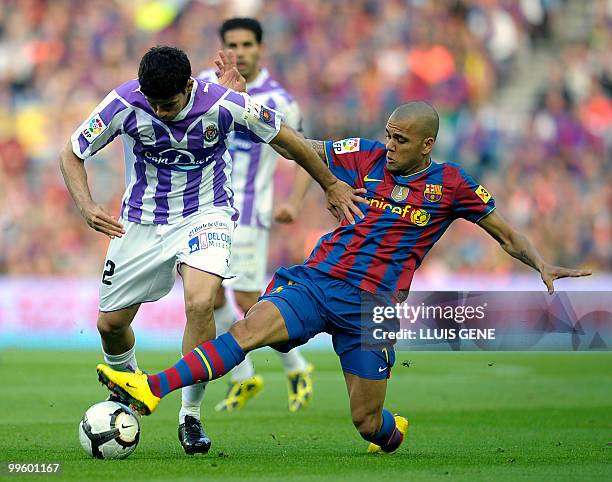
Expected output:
(245, 23)
(163, 72)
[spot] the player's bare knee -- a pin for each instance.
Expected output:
(110, 327)
(199, 308)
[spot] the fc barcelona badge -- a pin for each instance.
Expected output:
(399, 193)
(433, 192)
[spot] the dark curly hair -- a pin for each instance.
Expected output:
(245, 23)
(163, 72)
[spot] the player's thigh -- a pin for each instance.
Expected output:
(300, 307)
(263, 325)
(200, 291)
(137, 269)
(367, 398)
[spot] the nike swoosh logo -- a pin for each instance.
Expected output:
(380, 370)
(126, 426)
(128, 385)
(369, 179)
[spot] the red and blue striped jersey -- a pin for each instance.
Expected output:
(404, 217)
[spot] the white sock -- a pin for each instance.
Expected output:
(123, 362)
(192, 397)
(244, 371)
(225, 317)
(293, 361)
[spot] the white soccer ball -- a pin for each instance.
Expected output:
(109, 430)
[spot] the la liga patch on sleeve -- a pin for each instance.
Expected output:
(346, 145)
(95, 127)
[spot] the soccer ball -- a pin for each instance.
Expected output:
(109, 430)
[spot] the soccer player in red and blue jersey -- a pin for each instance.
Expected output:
(411, 201)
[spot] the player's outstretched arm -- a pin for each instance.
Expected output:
(341, 198)
(75, 177)
(518, 246)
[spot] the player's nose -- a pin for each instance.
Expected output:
(161, 113)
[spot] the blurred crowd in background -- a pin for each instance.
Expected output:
(523, 87)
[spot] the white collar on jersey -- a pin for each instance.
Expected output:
(183, 113)
(259, 80)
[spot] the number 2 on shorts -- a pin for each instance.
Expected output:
(110, 270)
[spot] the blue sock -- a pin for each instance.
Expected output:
(212, 359)
(386, 430)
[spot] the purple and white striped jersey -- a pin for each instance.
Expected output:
(179, 167)
(254, 163)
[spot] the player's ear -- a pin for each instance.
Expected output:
(428, 143)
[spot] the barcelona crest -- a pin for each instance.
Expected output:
(433, 193)
(399, 193)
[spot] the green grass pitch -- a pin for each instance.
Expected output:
(474, 416)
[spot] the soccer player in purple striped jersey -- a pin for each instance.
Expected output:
(178, 213)
(252, 183)
(411, 202)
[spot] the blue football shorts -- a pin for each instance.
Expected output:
(312, 302)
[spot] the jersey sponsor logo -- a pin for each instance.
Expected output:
(366, 178)
(346, 145)
(420, 217)
(211, 133)
(206, 239)
(197, 243)
(94, 128)
(208, 225)
(417, 216)
(483, 194)
(180, 159)
(433, 193)
(399, 193)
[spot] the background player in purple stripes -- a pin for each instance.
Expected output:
(252, 183)
(177, 212)
(411, 202)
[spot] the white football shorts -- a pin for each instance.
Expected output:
(249, 259)
(141, 266)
